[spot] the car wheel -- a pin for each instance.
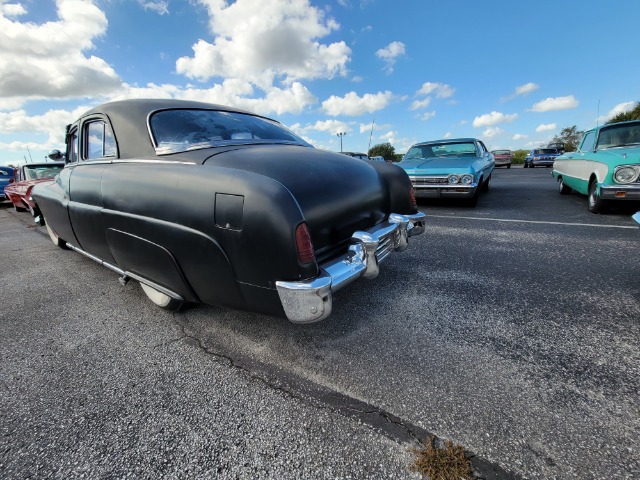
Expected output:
(485, 185)
(160, 299)
(525, 165)
(57, 241)
(509, 166)
(564, 190)
(596, 204)
(531, 165)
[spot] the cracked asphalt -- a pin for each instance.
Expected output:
(511, 328)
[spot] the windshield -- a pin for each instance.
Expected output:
(545, 151)
(437, 150)
(33, 172)
(181, 130)
(619, 135)
(501, 152)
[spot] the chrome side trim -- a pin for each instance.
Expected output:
(124, 273)
(310, 301)
(154, 161)
(160, 288)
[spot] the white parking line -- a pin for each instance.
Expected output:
(530, 221)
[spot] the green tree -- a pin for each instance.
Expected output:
(385, 150)
(633, 114)
(570, 136)
(518, 156)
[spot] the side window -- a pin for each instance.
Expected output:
(72, 146)
(483, 149)
(99, 141)
(587, 141)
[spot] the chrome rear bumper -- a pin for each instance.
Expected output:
(311, 300)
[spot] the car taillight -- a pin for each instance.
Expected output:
(412, 197)
(303, 242)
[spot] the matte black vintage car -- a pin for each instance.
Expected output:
(204, 203)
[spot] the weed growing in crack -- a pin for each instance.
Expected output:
(447, 463)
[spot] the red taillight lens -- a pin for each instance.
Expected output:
(11, 180)
(412, 197)
(303, 242)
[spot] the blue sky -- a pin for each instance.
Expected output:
(510, 73)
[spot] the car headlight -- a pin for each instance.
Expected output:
(453, 179)
(626, 174)
(466, 179)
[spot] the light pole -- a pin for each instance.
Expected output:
(341, 134)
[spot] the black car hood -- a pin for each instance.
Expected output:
(337, 194)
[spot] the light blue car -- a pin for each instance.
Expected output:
(606, 166)
(452, 168)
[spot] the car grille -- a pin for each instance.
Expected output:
(429, 180)
(385, 247)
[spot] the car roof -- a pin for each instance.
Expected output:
(600, 127)
(129, 121)
(448, 140)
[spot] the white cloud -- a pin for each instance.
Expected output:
(448, 135)
(12, 9)
(440, 90)
(493, 118)
(555, 103)
(52, 124)
(492, 132)
(526, 88)
(260, 40)
(357, 79)
(520, 136)
(48, 60)
(426, 116)
(160, 7)
(366, 127)
(620, 108)
(390, 54)
(331, 126)
(546, 127)
(417, 104)
(353, 105)
(234, 93)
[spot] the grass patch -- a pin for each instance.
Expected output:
(446, 463)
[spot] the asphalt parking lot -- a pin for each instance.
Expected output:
(511, 328)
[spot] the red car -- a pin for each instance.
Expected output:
(503, 158)
(26, 177)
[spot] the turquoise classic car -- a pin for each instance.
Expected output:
(606, 166)
(452, 168)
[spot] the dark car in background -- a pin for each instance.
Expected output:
(503, 158)
(6, 177)
(559, 146)
(541, 157)
(209, 204)
(361, 156)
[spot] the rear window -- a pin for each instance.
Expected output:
(190, 129)
(501, 152)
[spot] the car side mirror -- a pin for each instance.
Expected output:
(56, 155)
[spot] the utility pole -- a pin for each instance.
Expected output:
(341, 134)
